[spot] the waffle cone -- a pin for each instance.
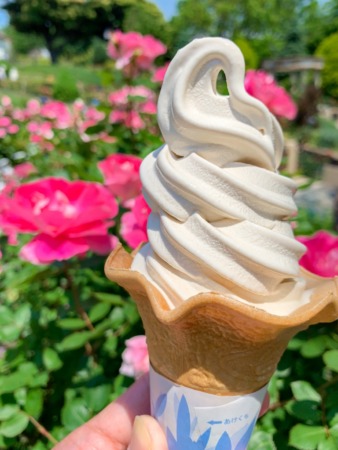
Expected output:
(216, 344)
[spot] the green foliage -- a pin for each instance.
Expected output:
(303, 413)
(295, 29)
(67, 26)
(146, 18)
(309, 221)
(98, 50)
(250, 55)
(328, 51)
(326, 134)
(39, 80)
(57, 367)
(64, 87)
(23, 43)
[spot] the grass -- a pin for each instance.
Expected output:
(38, 79)
(41, 73)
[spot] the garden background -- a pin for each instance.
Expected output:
(77, 115)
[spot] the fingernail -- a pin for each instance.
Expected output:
(140, 439)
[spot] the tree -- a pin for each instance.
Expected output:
(146, 18)
(23, 43)
(69, 23)
(328, 51)
(273, 30)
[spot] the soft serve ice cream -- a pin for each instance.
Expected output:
(220, 209)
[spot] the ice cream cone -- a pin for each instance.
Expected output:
(215, 344)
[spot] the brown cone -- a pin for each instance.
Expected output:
(215, 344)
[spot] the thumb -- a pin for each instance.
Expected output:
(147, 435)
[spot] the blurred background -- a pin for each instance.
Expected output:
(79, 81)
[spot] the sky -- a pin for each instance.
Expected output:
(3, 18)
(168, 7)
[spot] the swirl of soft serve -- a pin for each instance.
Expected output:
(219, 206)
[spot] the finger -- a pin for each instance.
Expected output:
(147, 435)
(111, 429)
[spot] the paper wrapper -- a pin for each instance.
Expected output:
(195, 419)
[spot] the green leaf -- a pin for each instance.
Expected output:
(305, 437)
(306, 410)
(314, 347)
(331, 359)
(97, 397)
(302, 390)
(34, 402)
(6, 316)
(110, 345)
(3, 443)
(328, 444)
(117, 317)
(9, 333)
(71, 324)
(39, 446)
(28, 274)
(7, 411)
(41, 379)
(51, 359)
(22, 315)
(20, 396)
(131, 312)
(295, 343)
(47, 315)
(29, 369)
(74, 341)
(14, 426)
(74, 413)
(99, 311)
(12, 382)
(261, 440)
(334, 433)
(112, 299)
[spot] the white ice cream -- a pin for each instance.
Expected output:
(220, 209)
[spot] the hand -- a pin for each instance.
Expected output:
(121, 425)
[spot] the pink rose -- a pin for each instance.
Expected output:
(24, 169)
(129, 102)
(134, 223)
(134, 52)
(7, 127)
(92, 117)
(5, 121)
(321, 257)
(33, 107)
(159, 73)
(68, 218)
(40, 130)
(262, 86)
(6, 101)
(121, 175)
(58, 112)
(135, 358)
